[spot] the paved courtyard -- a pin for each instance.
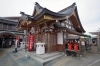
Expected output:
(8, 58)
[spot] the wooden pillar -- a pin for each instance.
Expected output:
(64, 41)
(49, 45)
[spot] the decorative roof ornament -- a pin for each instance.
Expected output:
(38, 7)
(23, 16)
(37, 4)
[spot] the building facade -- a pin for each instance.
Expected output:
(52, 28)
(8, 31)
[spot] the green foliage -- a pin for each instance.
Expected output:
(89, 36)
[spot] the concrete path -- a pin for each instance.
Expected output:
(8, 58)
(90, 60)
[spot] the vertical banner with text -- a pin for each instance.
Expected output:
(30, 42)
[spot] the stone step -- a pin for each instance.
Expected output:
(52, 62)
(43, 62)
(48, 55)
(52, 59)
(43, 59)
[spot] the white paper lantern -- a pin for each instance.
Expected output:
(32, 30)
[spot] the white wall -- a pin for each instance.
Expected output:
(60, 38)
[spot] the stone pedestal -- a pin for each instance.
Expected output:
(40, 49)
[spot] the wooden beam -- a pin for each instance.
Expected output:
(42, 21)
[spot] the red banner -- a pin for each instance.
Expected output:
(18, 38)
(30, 42)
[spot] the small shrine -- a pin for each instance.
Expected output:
(52, 28)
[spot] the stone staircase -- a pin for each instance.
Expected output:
(44, 59)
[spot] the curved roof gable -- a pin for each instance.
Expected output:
(65, 12)
(37, 8)
(69, 10)
(79, 20)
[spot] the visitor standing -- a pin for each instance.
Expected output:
(16, 42)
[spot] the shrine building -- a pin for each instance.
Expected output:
(50, 27)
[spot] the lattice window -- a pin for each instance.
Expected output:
(5, 26)
(69, 24)
(9, 27)
(1, 25)
(14, 27)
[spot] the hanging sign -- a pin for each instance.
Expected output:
(30, 42)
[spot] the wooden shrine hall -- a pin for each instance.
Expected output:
(50, 27)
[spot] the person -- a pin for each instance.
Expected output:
(16, 42)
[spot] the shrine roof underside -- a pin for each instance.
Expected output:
(43, 15)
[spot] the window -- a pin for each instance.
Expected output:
(5, 26)
(14, 27)
(9, 27)
(1, 25)
(69, 24)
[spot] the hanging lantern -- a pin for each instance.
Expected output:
(46, 30)
(51, 30)
(24, 32)
(32, 30)
(51, 27)
(57, 20)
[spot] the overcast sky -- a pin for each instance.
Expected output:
(88, 10)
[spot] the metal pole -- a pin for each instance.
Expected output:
(98, 42)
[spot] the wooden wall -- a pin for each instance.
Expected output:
(60, 47)
(51, 42)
